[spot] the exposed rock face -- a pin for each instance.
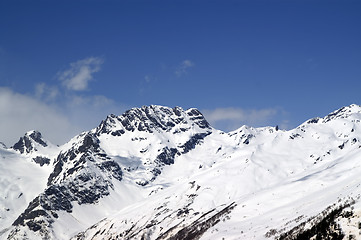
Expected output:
(163, 173)
(189, 126)
(151, 118)
(27, 143)
(323, 226)
(33, 145)
(343, 113)
(196, 229)
(193, 141)
(84, 172)
(41, 160)
(167, 156)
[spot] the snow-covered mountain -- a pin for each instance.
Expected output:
(164, 173)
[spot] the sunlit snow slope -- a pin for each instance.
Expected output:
(23, 176)
(164, 173)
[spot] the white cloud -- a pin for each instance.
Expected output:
(88, 111)
(285, 124)
(48, 93)
(57, 121)
(239, 114)
(182, 69)
(96, 101)
(58, 114)
(230, 118)
(20, 113)
(79, 74)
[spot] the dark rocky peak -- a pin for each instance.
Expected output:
(29, 142)
(151, 118)
(84, 149)
(82, 174)
(314, 120)
(36, 136)
(197, 117)
(83, 153)
(90, 142)
(107, 125)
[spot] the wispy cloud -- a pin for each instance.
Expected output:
(86, 112)
(183, 68)
(79, 74)
(45, 92)
(21, 113)
(57, 113)
(230, 118)
(95, 101)
(147, 78)
(57, 120)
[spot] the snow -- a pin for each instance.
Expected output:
(21, 180)
(276, 179)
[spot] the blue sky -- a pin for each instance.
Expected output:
(71, 63)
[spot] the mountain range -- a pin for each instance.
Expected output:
(165, 173)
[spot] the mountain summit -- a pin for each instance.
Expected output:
(152, 118)
(29, 142)
(164, 173)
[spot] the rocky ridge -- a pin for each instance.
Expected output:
(164, 173)
(84, 172)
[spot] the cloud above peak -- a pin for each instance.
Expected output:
(230, 118)
(80, 73)
(70, 113)
(61, 104)
(45, 92)
(21, 113)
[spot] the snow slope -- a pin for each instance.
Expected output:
(21, 177)
(108, 168)
(164, 173)
(257, 184)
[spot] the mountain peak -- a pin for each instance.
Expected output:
(352, 111)
(151, 118)
(344, 112)
(169, 175)
(29, 142)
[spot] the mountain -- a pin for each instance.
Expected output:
(33, 145)
(164, 173)
(24, 169)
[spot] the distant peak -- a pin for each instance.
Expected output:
(353, 108)
(37, 137)
(351, 111)
(159, 108)
(26, 144)
(343, 112)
